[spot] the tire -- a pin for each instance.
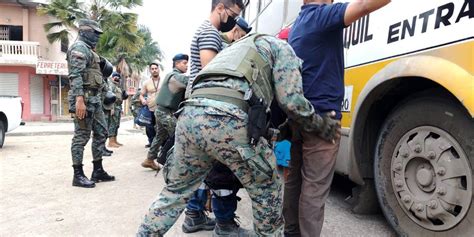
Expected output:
(423, 168)
(2, 134)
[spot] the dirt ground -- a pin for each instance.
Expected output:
(37, 199)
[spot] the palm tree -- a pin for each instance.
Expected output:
(121, 40)
(67, 12)
(150, 52)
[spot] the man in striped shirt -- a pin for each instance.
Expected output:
(205, 45)
(207, 41)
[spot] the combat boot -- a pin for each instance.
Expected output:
(108, 151)
(99, 174)
(196, 221)
(231, 229)
(79, 179)
(112, 142)
(118, 143)
(149, 163)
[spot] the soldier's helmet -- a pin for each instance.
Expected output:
(86, 23)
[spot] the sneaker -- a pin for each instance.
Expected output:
(196, 221)
(231, 229)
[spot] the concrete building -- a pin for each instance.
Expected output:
(30, 66)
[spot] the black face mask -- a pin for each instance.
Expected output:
(89, 37)
(227, 26)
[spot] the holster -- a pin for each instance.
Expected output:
(258, 119)
(163, 154)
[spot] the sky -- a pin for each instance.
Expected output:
(173, 23)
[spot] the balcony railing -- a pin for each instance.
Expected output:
(19, 52)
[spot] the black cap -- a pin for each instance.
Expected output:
(243, 24)
(116, 74)
(89, 23)
(180, 56)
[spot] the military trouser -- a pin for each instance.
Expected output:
(203, 136)
(114, 120)
(165, 125)
(95, 122)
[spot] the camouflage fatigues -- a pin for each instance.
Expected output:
(208, 131)
(165, 120)
(106, 110)
(113, 117)
(135, 104)
(83, 63)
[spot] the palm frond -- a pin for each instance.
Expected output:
(58, 36)
(51, 25)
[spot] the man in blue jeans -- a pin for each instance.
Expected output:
(206, 44)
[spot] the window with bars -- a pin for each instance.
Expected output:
(8, 32)
(4, 33)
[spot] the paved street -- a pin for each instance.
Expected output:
(36, 196)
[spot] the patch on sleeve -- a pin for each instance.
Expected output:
(77, 54)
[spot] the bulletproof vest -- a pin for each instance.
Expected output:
(118, 93)
(242, 60)
(166, 98)
(93, 75)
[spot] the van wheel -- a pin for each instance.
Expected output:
(2, 134)
(423, 168)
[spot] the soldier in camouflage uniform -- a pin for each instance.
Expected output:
(240, 29)
(135, 104)
(113, 118)
(170, 95)
(86, 80)
(107, 108)
(213, 126)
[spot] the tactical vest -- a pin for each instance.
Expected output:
(118, 93)
(241, 60)
(92, 77)
(166, 98)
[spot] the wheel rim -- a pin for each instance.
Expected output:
(431, 178)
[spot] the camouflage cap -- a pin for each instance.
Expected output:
(90, 23)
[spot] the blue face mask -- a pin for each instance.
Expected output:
(90, 37)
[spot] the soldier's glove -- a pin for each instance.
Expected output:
(329, 128)
(285, 131)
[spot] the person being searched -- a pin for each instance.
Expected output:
(318, 28)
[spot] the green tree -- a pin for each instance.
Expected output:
(150, 51)
(67, 12)
(122, 41)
